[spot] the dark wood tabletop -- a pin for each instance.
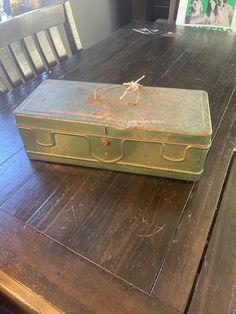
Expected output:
(83, 240)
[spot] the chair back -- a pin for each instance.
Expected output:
(33, 42)
(173, 11)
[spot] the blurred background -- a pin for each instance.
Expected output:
(95, 19)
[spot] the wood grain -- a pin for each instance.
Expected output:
(70, 282)
(105, 240)
(44, 182)
(25, 300)
(215, 288)
(181, 263)
(109, 218)
(13, 174)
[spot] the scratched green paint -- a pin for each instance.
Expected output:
(166, 133)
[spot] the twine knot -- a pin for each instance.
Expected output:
(132, 86)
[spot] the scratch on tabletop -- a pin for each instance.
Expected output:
(151, 234)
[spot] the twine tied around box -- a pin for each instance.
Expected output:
(132, 86)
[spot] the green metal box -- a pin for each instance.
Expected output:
(165, 132)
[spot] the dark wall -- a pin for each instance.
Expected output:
(96, 19)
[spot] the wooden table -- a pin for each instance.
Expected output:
(82, 240)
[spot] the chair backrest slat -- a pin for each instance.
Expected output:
(34, 53)
(28, 57)
(9, 67)
(58, 43)
(46, 48)
(33, 42)
(20, 57)
(5, 79)
(16, 64)
(3, 87)
(40, 51)
(65, 41)
(52, 46)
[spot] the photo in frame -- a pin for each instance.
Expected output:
(208, 14)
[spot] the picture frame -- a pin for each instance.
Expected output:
(208, 14)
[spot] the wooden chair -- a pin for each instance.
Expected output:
(144, 10)
(173, 11)
(34, 42)
(173, 8)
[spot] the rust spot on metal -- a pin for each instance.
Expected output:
(92, 101)
(105, 100)
(206, 133)
(104, 142)
(42, 99)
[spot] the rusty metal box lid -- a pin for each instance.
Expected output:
(178, 114)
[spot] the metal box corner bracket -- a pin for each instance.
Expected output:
(166, 133)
